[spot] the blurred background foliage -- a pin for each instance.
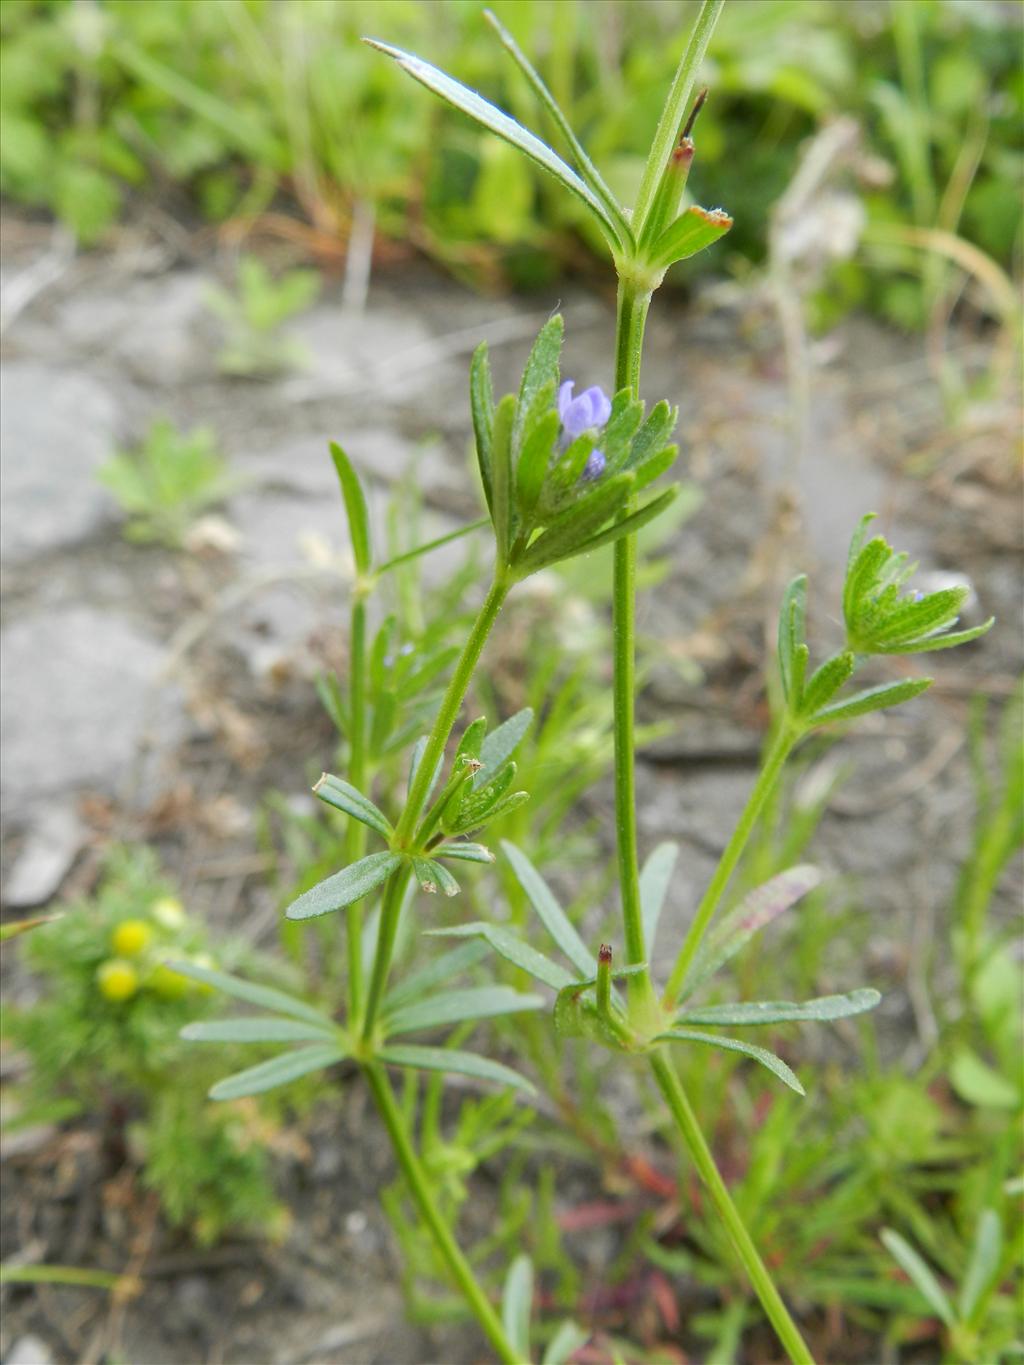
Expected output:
(247, 111)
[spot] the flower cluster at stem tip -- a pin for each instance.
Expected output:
(590, 411)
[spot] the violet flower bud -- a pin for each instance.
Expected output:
(590, 411)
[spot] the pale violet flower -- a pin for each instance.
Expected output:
(590, 411)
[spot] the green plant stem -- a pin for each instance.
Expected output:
(629, 337)
(355, 836)
(419, 1187)
(782, 746)
(690, 1130)
(390, 911)
(419, 794)
(449, 711)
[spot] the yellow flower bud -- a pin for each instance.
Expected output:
(117, 979)
(131, 937)
(169, 984)
(168, 912)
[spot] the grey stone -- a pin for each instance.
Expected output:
(161, 330)
(351, 353)
(53, 841)
(81, 691)
(56, 428)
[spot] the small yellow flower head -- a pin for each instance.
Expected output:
(117, 979)
(168, 912)
(131, 937)
(169, 984)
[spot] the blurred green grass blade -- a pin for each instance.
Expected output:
(655, 878)
(920, 1273)
(755, 911)
(983, 1267)
(569, 1338)
(517, 1304)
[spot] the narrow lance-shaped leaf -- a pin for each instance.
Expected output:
(499, 123)
(756, 910)
(625, 526)
(501, 474)
(917, 615)
(266, 996)
(481, 403)
(872, 699)
(588, 171)
(983, 1266)
(655, 879)
(934, 642)
(346, 887)
(826, 681)
(256, 1029)
(553, 917)
(696, 229)
(454, 1060)
(501, 744)
(758, 1054)
(754, 1012)
(569, 1338)
(571, 528)
(792, 616)
(654, 433)
(540, 378)
(334, 791)
(653, 467)
(453, 1007)
(516, 1305)
(441, 971)
(512, 949)
(355, 507)
(465, 853)
(920, 1274)
(432, 877)
(278, 1071)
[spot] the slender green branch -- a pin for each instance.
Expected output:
(355, 836)
(782, 746)
(419, 1187)
(632, 314)
(390, 912)
(449, 711)
(696, 1144)
(419, 794)
(674, 114)
(431, 545)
